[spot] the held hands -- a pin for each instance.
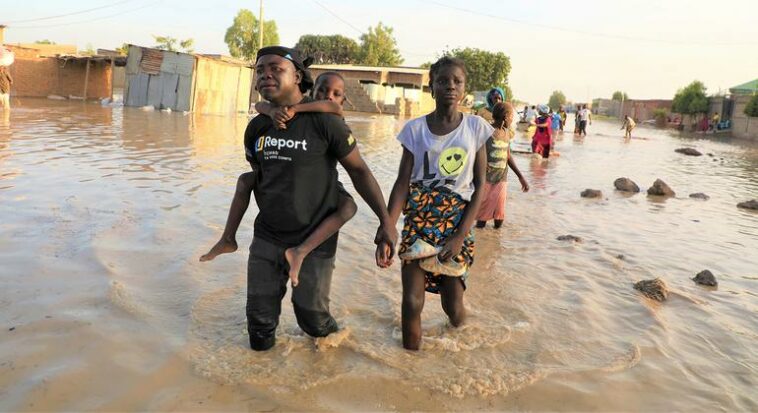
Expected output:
(385, 240)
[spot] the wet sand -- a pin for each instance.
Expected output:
(105, 212)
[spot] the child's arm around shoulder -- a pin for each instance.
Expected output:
(264, 108)
(325, 106)
(267, 109)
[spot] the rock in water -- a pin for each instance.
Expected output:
(688, 151)
(654, 289)
(752, 204)
(572, 238)
(700, 195)
(626, 185)
(660, 188)
(706, 277)
(592, 193)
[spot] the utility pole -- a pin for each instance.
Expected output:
(260, 27)
(260, 46)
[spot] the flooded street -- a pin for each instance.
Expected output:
(104, 213)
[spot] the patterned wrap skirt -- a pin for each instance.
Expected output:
(433, 214)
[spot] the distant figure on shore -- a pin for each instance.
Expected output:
(562, 113)
(439, 188)
(296, 189)
(629, 125)
(498, 161)
(542, 142)
(715, 121)
(5, 88)
(585, 117)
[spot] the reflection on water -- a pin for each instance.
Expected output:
(106, 210)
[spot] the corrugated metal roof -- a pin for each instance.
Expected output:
(748, 87)
(178, 63)
(151, 61)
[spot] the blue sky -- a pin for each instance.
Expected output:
(585, 48)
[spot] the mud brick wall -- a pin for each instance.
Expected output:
(40, 77)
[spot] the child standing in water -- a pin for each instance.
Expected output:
(329, 92)
(439, 188)
(498, 161)
(542, 142)
(556, 122)
(629, 125)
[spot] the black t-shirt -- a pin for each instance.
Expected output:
(296, 185)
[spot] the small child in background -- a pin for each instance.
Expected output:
(629, 125)
(329, 92)
(542, 142)
(555, 118)
(498, 161)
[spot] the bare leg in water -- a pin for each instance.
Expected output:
(413, 304)
(240, 202)
(451, 293)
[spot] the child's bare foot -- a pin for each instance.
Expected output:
(295, 258)
(223, 246)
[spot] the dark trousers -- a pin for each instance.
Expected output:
(582, 127)
(266, 285)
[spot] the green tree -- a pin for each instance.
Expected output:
(335, 49)
(751, 109)
(485, 69)
(123, 50)
(242, 36)
(379, 47)
(619, 96)
(691, 100)
(557, 99)
(169, 43)
(661, 117)
(44, 42)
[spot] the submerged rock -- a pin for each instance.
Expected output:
(626, 185)
(572, 238)
(660, 188)
(706, 277)
(688, 151)
(592, 193)
(700, 195)
(654, 289)
(752, 204)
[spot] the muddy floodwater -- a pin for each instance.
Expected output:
(105, 211)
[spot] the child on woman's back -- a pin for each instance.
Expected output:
(329, 92)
